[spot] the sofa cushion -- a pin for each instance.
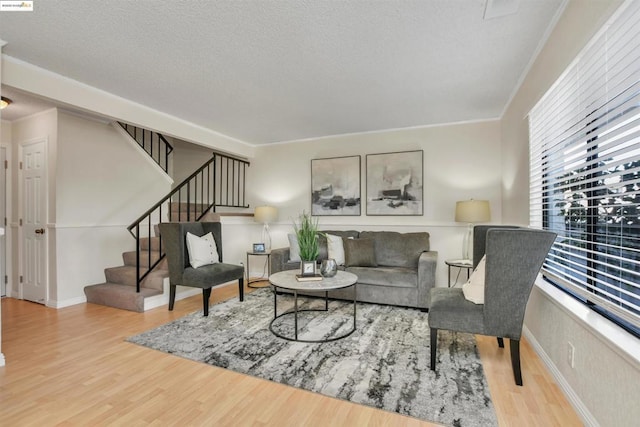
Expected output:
(395, 249)
(359, 253)
(294, 248)
(400, 277)
(322, 240)
(335, 248)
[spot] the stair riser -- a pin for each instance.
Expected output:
(118, 296)
(153, 242)
(127, 276)
(129, 258)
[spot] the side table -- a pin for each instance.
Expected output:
(260, 279)
(461, 264)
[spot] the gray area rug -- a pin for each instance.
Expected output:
(384, 363)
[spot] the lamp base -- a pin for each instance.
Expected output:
(466, 244)
(266, 237)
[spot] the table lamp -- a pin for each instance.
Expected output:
(471, 212)
(265, 215)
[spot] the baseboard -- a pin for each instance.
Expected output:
(67, 302)
(181, 293)
(163, 299)
(574, 399)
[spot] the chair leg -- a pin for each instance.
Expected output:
(500, 342)
(515, 360)
(172, 296)
(241, 288)
(206, 293)
(434, 344)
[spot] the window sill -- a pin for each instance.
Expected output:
(616, 338)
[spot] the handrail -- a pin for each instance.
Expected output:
(220, 181)
(147, 144)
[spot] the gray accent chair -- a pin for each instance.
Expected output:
(174, 235)
(514, 258)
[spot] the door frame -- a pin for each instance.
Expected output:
(6, 272)
(21, 237)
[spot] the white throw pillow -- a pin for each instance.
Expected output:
(202, 250)
(294, 248)
(473, 290)
(335, 248)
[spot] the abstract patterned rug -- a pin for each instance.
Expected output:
(384, 363)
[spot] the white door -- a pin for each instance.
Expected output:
(3, 221)
(34, 213)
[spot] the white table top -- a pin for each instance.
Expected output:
(287, 280)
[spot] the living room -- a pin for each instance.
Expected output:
(485, 159)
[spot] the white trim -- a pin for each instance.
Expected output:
(163, 299)
(63, 226)
(343, 222)
(380, 131)
(571, 395)
(181, 293)
(2, 360)
(66, 303)
(543, 41)
(21, 194)
(617, 339)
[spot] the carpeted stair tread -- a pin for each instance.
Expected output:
(119, 296)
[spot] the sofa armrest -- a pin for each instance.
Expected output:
(427, 264)
(278, 260)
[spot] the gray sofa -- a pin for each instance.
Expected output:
(402, 271)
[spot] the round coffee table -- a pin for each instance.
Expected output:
(287, 280)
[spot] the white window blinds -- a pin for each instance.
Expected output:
(585, 170)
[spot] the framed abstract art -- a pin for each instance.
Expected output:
(394, 183)
(335, 186)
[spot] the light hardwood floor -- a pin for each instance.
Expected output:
(72, 367)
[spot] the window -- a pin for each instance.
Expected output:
(585, 171)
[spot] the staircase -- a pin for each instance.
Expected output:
(119, 290)
(141, 282)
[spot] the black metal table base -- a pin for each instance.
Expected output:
(295, 312)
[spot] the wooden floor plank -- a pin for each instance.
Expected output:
(72, 367)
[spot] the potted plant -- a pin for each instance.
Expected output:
(307, 234)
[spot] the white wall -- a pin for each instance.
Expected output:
(605, 383)
(103, 184)
(461, 161)
(187, 158)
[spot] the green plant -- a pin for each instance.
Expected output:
(307, 233)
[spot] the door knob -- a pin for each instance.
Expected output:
(40, 231)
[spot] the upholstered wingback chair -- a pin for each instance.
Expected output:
(514, 257)
(207, 276)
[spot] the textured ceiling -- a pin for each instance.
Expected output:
(266, 71)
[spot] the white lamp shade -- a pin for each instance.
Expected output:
(265, 214)
(473, 211)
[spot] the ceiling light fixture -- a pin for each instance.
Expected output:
(4, 102)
